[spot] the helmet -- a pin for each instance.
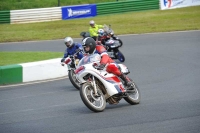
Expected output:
(91, 43)
(92, 22)
(100, 32)
(68, 41)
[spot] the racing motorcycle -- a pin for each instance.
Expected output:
(99, 87)
(110, 42)
(72, 63)
(110, 33)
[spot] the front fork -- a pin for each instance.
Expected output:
(94, 85)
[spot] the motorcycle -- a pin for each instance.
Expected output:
(72, 63)
(99, 87)
(109, 31)
(110, 42)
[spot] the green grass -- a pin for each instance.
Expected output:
(127, 23)
(28, 4)
(8, 58)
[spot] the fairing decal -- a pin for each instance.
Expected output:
(117, 82)
(114, 80)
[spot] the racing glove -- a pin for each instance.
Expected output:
(101, 67)
(62, 60)
(78, 50)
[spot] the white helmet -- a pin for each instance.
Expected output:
(92, 22)
(68, 41)
(100, 32)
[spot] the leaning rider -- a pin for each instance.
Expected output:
(72, 48)
(90, 47)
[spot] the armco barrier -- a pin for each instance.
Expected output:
(126, 6)
(4, 17)
(33, 71)
(35, 15)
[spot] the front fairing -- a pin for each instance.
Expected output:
(112, 43)
(111, 82)
(115, 37)
(89, 59)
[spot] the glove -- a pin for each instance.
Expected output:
(101, 67)
(62, 60)
(78, 50)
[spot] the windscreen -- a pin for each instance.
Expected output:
(89, 59)
(107, 29)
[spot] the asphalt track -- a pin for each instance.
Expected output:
(165, 66)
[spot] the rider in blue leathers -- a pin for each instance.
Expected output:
(72, 48)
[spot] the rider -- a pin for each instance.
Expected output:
(90, 47)
(102, 37)
(72, 48)
(93, 29)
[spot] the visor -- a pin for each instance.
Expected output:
(67, 44)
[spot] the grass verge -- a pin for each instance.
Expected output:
(126, 23)
(8, 58)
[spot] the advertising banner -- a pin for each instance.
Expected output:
(171, 4)
(79, 11)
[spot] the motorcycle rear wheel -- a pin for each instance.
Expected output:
(120, 56)
(133, 98)
(94, 103)
(72, 78)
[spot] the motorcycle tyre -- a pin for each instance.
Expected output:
(87, 102)
(70, 75)
(120, 41)
(120, 56)
(131, 100)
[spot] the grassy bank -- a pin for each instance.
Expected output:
(126, 23)
(8, 58)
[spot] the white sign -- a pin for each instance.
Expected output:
(171, 4)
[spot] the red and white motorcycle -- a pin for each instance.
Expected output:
(99, 86)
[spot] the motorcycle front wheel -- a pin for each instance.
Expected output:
(120, 56)
(133, 98)
(94, 103)
(72, 78)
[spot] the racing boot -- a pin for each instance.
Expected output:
(127, 83)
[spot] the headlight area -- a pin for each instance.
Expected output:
(78, 70)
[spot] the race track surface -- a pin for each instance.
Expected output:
(165, 66)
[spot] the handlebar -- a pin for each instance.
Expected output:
(71, 56)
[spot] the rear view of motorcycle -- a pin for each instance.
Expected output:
(111, 42)
(112, 47)
(99, 87)
(72, 63)
(109, 31)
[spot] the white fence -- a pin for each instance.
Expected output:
(35, 15)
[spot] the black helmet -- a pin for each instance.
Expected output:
(89, 42)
